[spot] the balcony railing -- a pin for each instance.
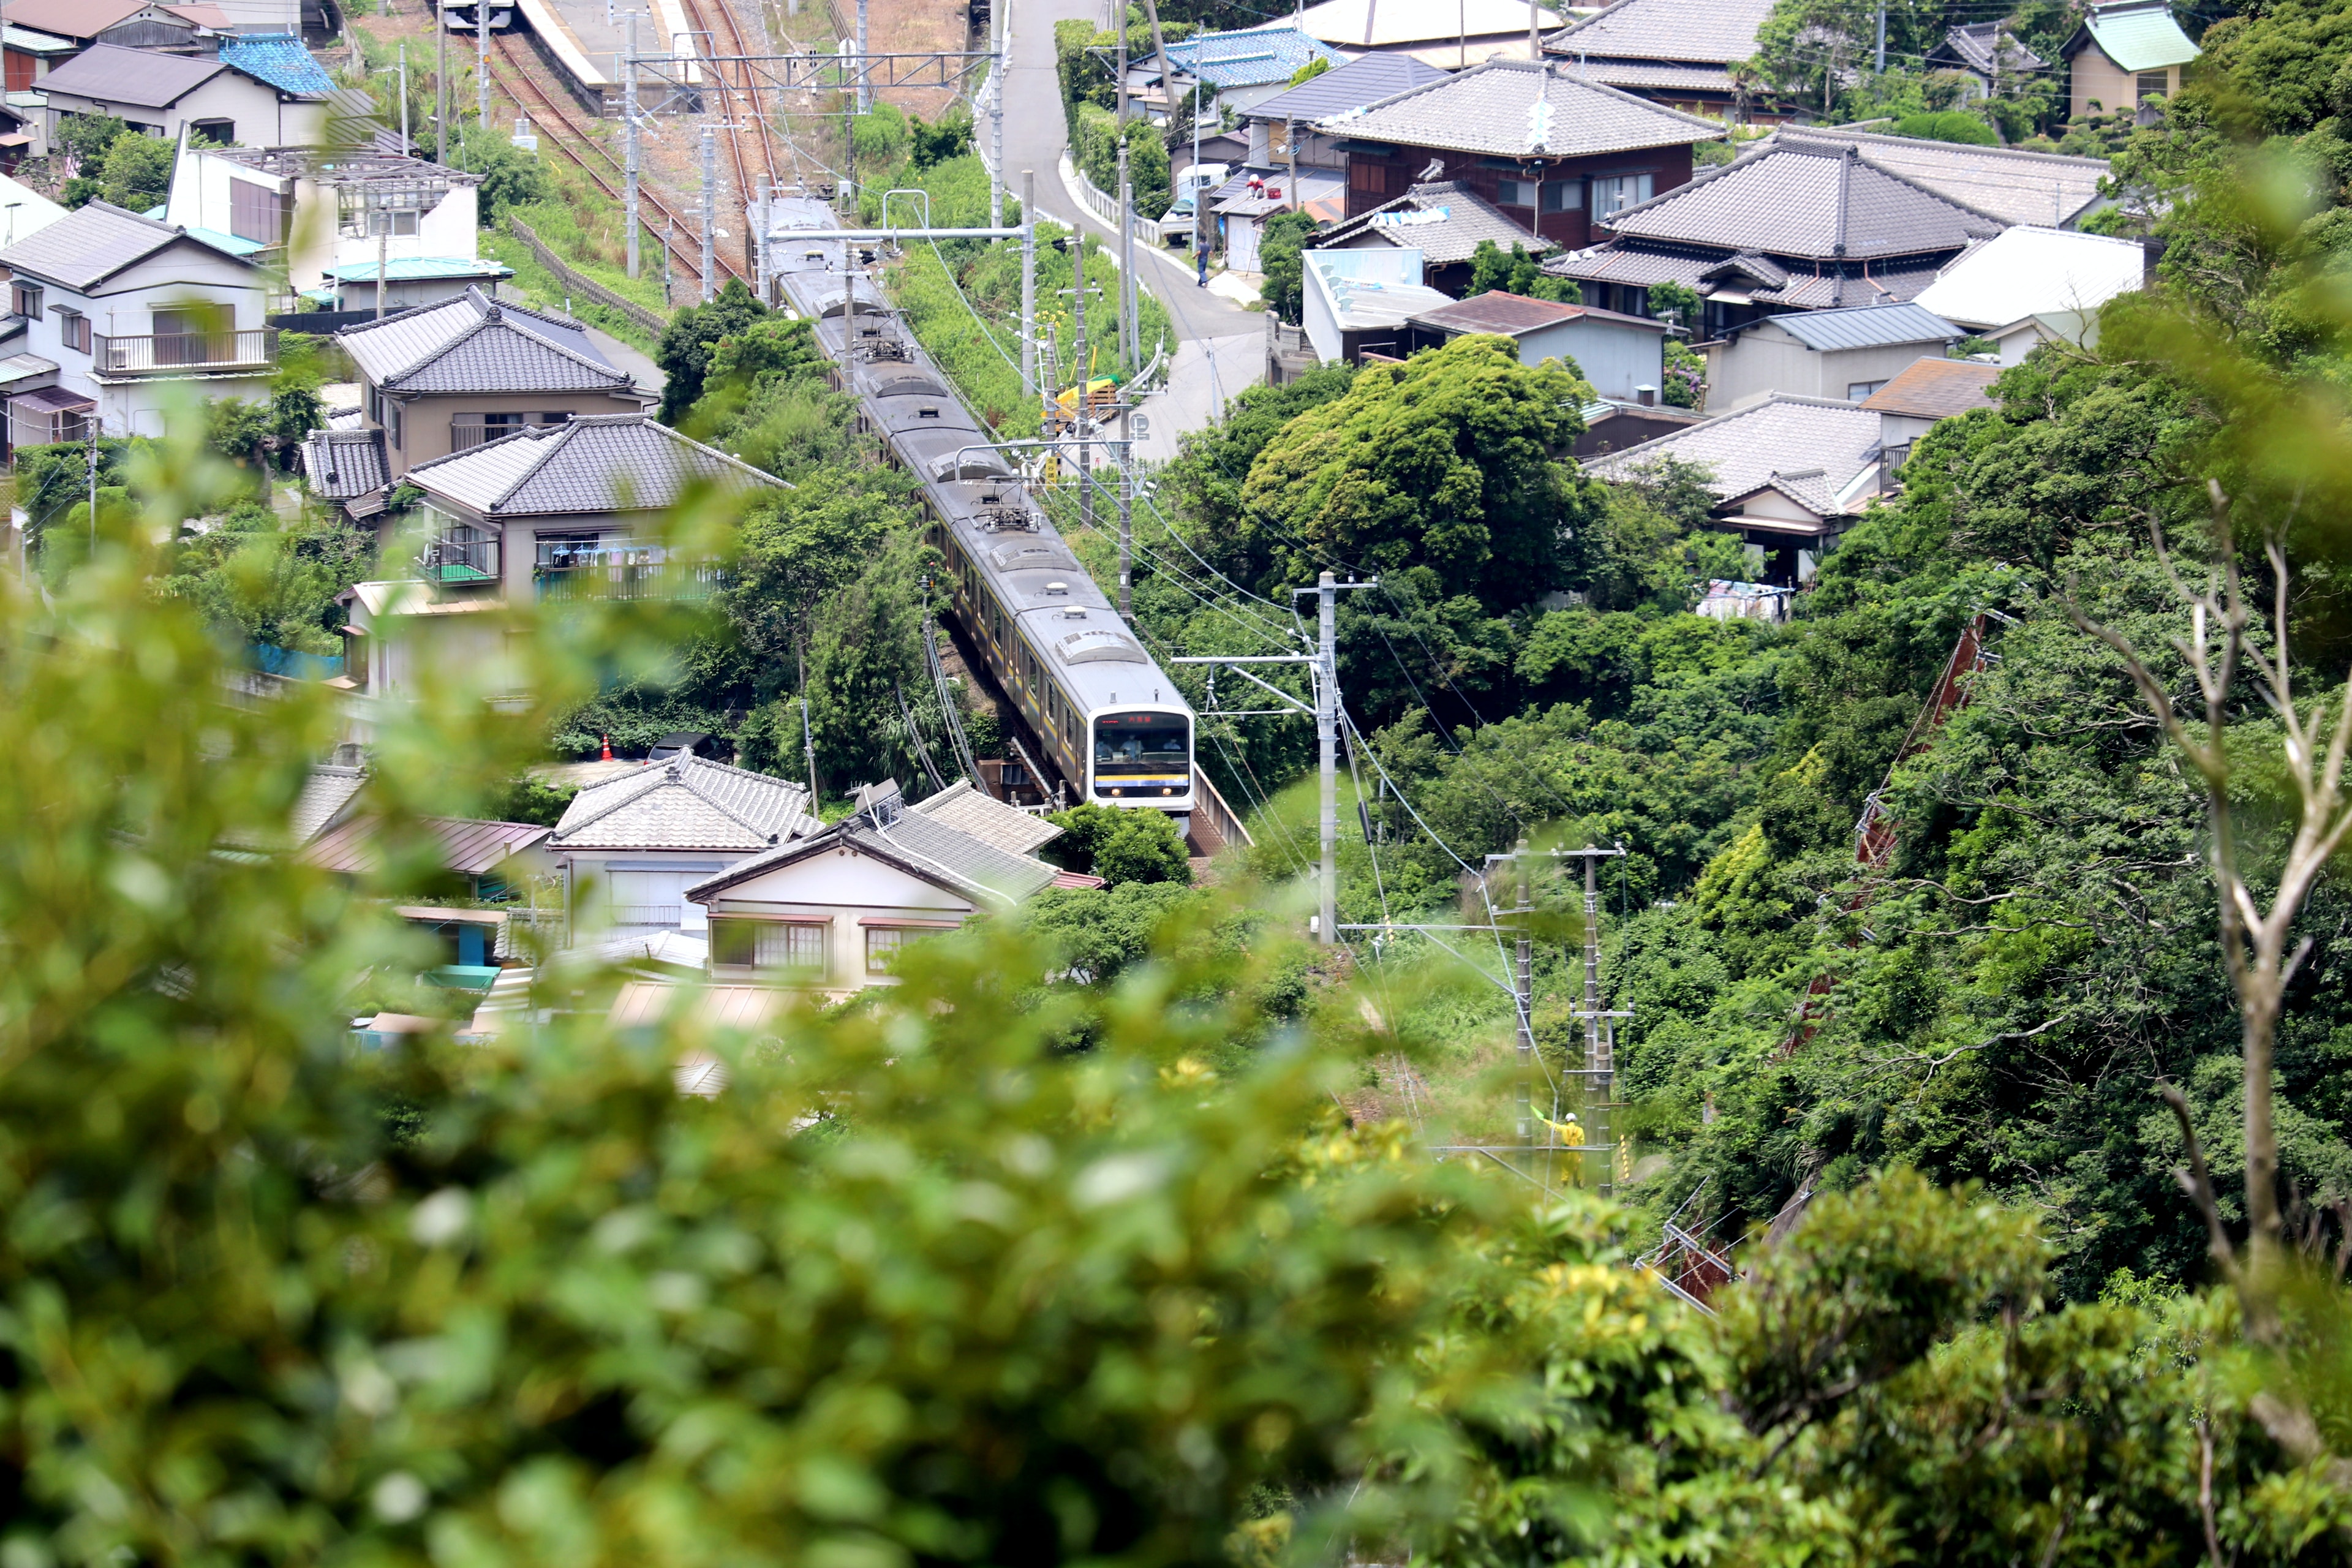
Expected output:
(457, 561)
(465, 435)
(228, 349)
(612, 579)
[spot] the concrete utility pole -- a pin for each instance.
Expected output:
(1523, 990)
(441, 86)
(865, 65)
(629, 139)
(710, 206)
(1028, 279)
(482, 61)
(382, 253)
(1881, 66)
(996, 31)
(1126, 515)
(1086, 453)
(1125, 266)
(759, 265)
(404, 148)
(1535, 32)
(1598, 1041)
(1326, 742)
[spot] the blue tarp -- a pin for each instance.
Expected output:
(270, 659)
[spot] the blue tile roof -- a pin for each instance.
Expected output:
(1250, 57)
(280, 59)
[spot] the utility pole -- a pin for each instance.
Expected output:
(1086, 453)
(864, 66)
(709, 205)
(997, 117)
(1126, 266)
(629, 140)
(482, 61)
(95, 424)
(405, 149)
(1599, 1042)
(1126, 515)
(1200, 195)
(1534, 33)
(382, 253)
(1327, 740)
(441, 85)
(808, 738)
(759, 267)
(1028, 279)
(1881, 66)
(1523, 990)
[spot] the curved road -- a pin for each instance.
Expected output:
(1221, 346)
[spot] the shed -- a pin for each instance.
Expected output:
(1844, 354)
(1364, 300)
(1621, 357)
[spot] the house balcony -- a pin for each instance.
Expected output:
(566, 571)
(177, 353)
(460, 560)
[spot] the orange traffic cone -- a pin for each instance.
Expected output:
(608, 750)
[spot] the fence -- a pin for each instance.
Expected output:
(580, 284)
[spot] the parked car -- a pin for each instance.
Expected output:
(679, 743)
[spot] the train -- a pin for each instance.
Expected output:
(1106, 718)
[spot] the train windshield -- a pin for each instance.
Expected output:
(1139, 743)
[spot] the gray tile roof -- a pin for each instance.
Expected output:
(1651, 76)
(472, 344)
(326, 794)
(983, 816)
(1716, 32)
(88, 246)
(620, 462)
(1971, 48)
(1810, 448)
(2015, 187)
(1351, 86)
(1443, 220)
(340, 464)
(141, 78)
(919, 845)
(1809, 199)
(1518, 108)
(688, 802)
(1514, 315)
(1871, 327)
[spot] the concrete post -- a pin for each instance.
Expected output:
(1028, 280)
(629, 140)
(710, 208)
(1326, 738)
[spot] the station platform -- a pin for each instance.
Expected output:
(583, 40)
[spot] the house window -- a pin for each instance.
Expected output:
(256, 212)
(396, 224)
(1855, 390)
(1372, 179)
(1515, 193)
(375, 407)
(392, 427)
(794, 946)
(25, 298)
(73, 330)
(1615, 194)
(1564, 196)
(220, 133)
(883, 945)
(2155, 84)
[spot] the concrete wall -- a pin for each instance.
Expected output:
(1766, 359)
(1386, 264)
(2097, 79)
(1614, 359)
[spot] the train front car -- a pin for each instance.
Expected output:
(1142, 755)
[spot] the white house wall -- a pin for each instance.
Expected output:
(1615, 360)
(849, 893)
(258, 118)
(1765, 360)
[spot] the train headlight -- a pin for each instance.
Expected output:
(1167, 792)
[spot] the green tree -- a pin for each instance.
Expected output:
(932, 144)
(1120, 846)
(686, 344)
(510, 177)
(1281, 248)
(86, 138)
(1948, 125)
(864, 649)
(137, 173)
(1518, 273)
(1456, 459)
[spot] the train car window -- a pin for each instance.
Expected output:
(1142, 746)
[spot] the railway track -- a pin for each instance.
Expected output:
(571, 137)
(745, 91)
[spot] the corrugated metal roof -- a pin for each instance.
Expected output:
(2139, 36)
(1351, 86)
(1871, 327)
(2029, 272)
(1937, 389)
(409, 268)
(468, 847)
(1715, 31)
(1520, 109)
(72, 18)
(1804, 199)
(1371, 24)
(280, 59)
(1249, 57)
(88, 246)
(139, 78)
(623, 462)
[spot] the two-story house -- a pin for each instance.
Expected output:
(1671, 52)
(1558, 153)
(446, 378)
(2124, 54)
(348, 218)
(263, 92)
(561, 511)
(137, 316)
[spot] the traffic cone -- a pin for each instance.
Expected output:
(608, 750)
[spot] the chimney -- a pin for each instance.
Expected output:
(1647, 397)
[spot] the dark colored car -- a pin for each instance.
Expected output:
(680, 741)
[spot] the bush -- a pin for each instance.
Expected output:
(1120, 846)
(137, 174)
(1947, 125)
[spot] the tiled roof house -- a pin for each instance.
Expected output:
(1674, 52)
(630, 846)
(1556, 153)
(2050, 189)
(1797, 225)
(2124, 54)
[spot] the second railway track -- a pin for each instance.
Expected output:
(572, 140)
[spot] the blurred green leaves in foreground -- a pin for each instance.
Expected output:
(923, 1286)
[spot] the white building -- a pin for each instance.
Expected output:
(350, 211)
(264, 92)
(1364, 300)
(1845, 354)
(1621, 358)
(2027, 272)
(138, 318)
